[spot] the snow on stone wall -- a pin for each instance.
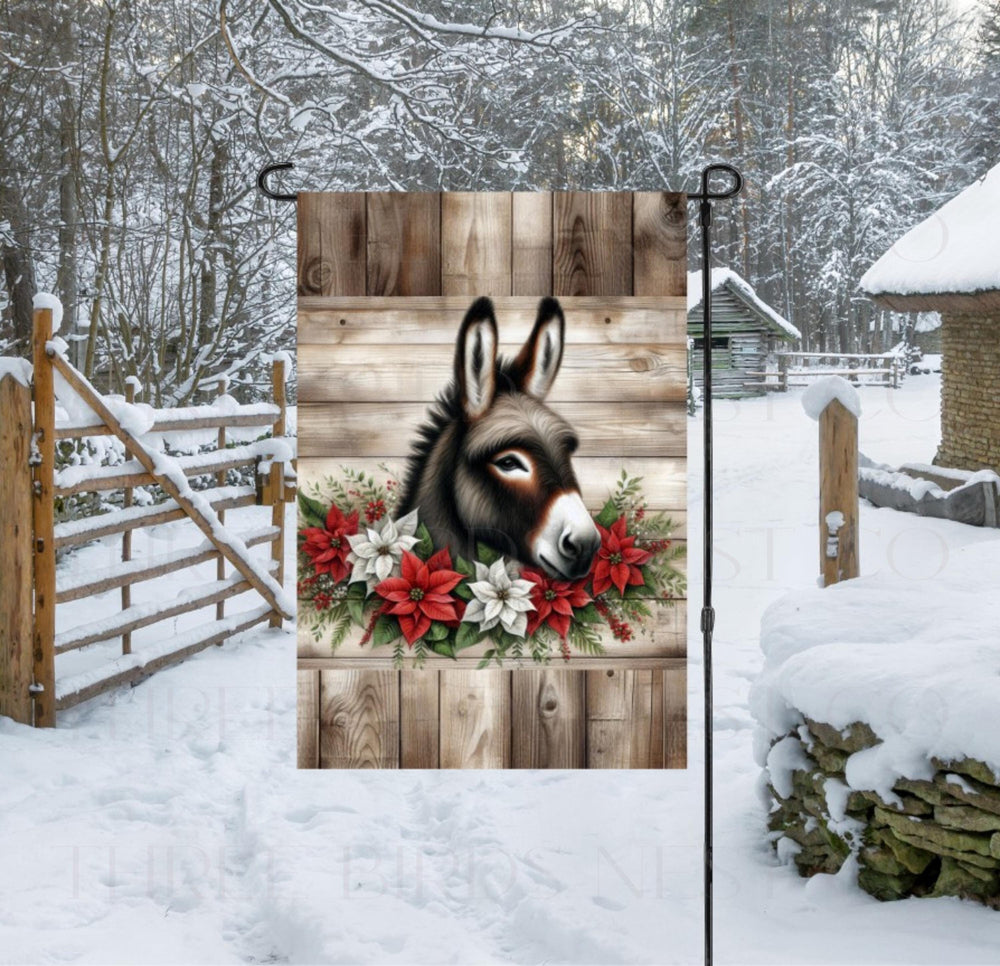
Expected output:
(876, 710)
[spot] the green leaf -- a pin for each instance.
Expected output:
(313, 512)
(357, 590)
(587, 615)
(426, 545)
(463, 566)
(437, 632)
(462, 590)
(443, 648)
(468, 635)
(487, 657)
(608, 515)
(486, 554)
(356, 608)
(386, 630)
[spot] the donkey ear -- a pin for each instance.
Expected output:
(475, 359)
(538, 362)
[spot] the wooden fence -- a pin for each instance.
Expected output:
(32, 689)
(384, 279)
(798, 368)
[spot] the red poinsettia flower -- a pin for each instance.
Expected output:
(421, 595)
(328, 547)
(618, 561)
(442, 561)
(554, 601)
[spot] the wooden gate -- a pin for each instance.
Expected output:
(378, 273)
(32, 689)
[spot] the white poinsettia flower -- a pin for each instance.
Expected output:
(499, 598)
(377, 553)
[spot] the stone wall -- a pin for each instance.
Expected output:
(970, 392)
(935, 837)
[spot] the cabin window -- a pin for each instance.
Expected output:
(718, 342)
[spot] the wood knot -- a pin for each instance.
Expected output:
(315, 277)
(548, 702)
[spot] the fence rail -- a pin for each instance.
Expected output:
(29, 689)
(785, 376)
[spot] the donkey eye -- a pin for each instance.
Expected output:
(512, 464)
(509, 463)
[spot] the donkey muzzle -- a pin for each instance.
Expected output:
(568, 539)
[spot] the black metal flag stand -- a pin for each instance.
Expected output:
(705, 197)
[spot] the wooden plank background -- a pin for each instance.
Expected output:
(373, 270)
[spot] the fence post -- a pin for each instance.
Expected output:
(127, 538)
(276, 482)
(43, 519)
(15, 539)
(220, 480)
(838, 493)
(783, 372)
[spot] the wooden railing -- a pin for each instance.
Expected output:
(29, 688)
(796, 369)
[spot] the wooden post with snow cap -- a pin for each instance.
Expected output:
(16, 670)
(276, 480)
(835, 404)
(43, 688)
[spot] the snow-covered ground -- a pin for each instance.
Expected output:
(167, 823)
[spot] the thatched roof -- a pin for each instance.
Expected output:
(948, 262)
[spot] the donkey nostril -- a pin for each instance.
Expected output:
(566, 545)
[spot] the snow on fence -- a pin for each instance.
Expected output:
(801, 368)
(30, 485)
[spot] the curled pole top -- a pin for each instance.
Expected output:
(265, 173)
(718, 167)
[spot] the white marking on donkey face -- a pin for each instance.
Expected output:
(568, 539)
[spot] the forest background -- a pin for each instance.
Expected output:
(131, 134)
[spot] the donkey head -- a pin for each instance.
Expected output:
(511, 479)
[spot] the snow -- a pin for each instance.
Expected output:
(784, 757)
(834, 521)
(915, 660)
(86, 524)
(122, 568)
(726, 276)
(909, 480)
(73, 683)
(46, 300)
(166, 823)
(953, 250)
(112, 622)
(280, 449)
(823, 391)
(172, 469)
(19, 369)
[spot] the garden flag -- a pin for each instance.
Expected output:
(492, 480)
